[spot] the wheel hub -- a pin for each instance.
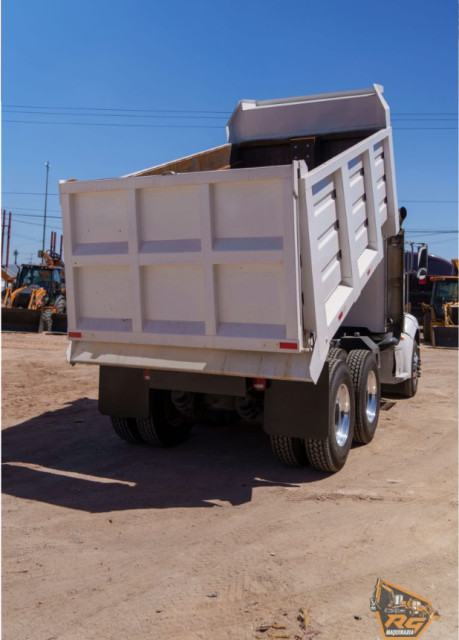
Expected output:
(372, 396)
(342, 415)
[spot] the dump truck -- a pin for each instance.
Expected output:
(263, 277)
(34, 300)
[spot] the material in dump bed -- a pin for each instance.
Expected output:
(246, 271)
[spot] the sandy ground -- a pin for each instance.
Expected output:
(215, 539)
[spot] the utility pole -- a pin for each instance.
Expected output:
(15, 253)
(3, 230)
(5, 261)
(47, 165)
(8, 241)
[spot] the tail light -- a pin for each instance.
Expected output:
(259, 384)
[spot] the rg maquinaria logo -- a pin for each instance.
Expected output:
(400, 613)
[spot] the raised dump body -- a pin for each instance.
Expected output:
(242, 261)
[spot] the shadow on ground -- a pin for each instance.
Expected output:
(72, 458)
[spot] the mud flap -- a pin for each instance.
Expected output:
(28, 320)
(298, 409)
(123, 392)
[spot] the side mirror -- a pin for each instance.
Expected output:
(402, 212)
(423, 262)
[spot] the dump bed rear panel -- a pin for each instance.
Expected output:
(208, 259)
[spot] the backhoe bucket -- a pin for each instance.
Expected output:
(59, 323)
(445, 336)
(21, 320)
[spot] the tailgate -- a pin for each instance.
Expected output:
(207, 259)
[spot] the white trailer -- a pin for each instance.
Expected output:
(265, 276)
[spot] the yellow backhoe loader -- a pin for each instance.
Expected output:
(34, 300)
(441, 315)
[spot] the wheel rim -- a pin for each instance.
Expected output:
(372, 396)
(342, 415)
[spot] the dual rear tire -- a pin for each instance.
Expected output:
(365, 377)
(165, 426)
(354, 398)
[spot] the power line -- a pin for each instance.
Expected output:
(432, 230)
(29, 209)
(181, 126)
(27, 106)
(424, 128)
(27, 193)
(30, 224)
(437, 113)
(106, 124)
(398, 119)
(30, 215)
(116, 115)
(186, 115)
(211, 111)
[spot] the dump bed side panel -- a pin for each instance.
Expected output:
(193, 260)
(347, 207)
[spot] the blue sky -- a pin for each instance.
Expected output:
(111, 59)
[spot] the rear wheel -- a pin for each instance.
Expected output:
(289, 451)
(126, 428)
(165, 426)
(331, 453)
(337, 354)
(365, 376)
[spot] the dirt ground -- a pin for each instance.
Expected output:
(214, 539)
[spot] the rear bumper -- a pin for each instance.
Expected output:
(247, 364)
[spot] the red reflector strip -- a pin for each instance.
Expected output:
(368, 272)
(74, 334)
(288, 345)
(341, 315)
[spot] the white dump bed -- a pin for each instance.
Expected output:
(244, 272)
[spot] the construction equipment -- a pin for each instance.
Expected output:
(34, 300)
(441, 323)
(418, 290)
(265, 275)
